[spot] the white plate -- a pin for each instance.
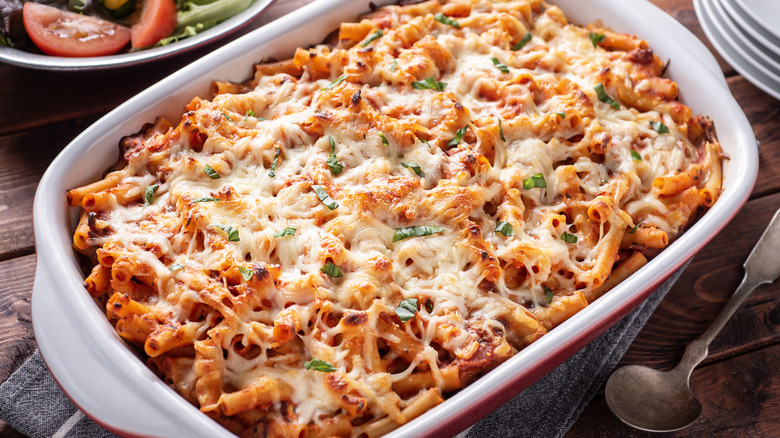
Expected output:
(108, 382)
(749, 26)
(764, 12)
(766, 61)
(759, 76)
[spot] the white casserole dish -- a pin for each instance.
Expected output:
(108, 382)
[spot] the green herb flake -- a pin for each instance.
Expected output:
(406, 309)
(458, 136)
(206, 199)
(249, 114)
(175, 267)
(374, 36)
(334, 83)
(503, 67)
(227, 117)
(505, 228)
(246, 273)
(569, 238)
(501, 130)
(443, 19)
(604, 97)
(331, 270)
(426, 142)
(272, 172)
(319, 365)
(415, 167)
(534, 181)
(210, 172)
(636, 227)
(333, 162)
(384, 139)
(429, 306)
(596, 38)
(561, 114)
(149, 194)
(324, 197)
(526, 39)
(635, 155)
(232, 232)
(659, 127)
(416, 231)
(548, 294)
(429, 84)
(394, 65)
(284, 232)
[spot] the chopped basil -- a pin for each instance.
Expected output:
(175, 267)
(443, 19)
(406, 309)
(333, 162)
(526, 39)
(394, 65)
(569, 238)
(501, 130)
(596, 38)
(206, 199)
(458, 136)
(534, 181)
(284, 232)
(384, 139)
(429, 306)
(334, 83)
(415, 167)
(416, 231)
(604, 97)
(503, 67)
(319, 365)
(426, 142)
(331, 270)
(249, 114)
(659, 127)
(272, 173)
(561, 114)
(505, 228)
(636, 227)
(429, 84)
(374, 36)
(210, 172)
(246, 273)
(324, 197)
(635, 155)
(232, 232)
(149, 193)
(227, 117)
(548, 294)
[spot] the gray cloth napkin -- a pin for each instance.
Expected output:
(32, 403)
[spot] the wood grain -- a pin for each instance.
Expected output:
(16, 336)
(739, 397)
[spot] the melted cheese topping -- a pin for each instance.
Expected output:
(534, 184)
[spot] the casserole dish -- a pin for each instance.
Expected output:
(164, 413)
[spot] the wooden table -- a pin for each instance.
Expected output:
(739, 384)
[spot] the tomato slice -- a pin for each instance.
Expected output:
(158, 19)
(64, 33)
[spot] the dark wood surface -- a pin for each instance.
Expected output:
(739, 384)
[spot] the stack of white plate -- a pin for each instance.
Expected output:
(747, 34)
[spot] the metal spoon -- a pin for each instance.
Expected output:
(662, 401)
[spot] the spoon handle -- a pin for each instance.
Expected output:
(762, 266)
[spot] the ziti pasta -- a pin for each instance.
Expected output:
(338, 244)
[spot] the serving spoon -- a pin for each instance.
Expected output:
(662, 401)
